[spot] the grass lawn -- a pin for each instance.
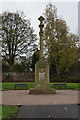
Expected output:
(10, 85)
(75, 86)
(9, 111)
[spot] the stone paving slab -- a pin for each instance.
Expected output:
(22, 97)
(49, 111)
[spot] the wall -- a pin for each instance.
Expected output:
(18, 77)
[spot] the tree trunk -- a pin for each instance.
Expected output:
(11, 67)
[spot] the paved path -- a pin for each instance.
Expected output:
(22, 97)
(49, 111)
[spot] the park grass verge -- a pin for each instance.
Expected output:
(75, 86)
(9, 111)
(10, 85)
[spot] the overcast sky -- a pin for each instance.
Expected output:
(68, 10)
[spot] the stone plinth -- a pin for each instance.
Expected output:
(41, 74)
(42, 91)
(42, 79)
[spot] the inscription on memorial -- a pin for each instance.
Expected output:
(41, 76)
(41, 73)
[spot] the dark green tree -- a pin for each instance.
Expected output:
(5, 67)
(35, 58)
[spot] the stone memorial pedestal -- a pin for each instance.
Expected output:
(42, 79)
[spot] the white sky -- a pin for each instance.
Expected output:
(67, 9)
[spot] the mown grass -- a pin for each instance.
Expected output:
(10, 85)
(75, 86)
(8, 112)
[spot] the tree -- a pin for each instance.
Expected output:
(60, 44)
(35, 58)
(5, 67)
(18, 37)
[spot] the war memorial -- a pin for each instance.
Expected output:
(42, 69)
